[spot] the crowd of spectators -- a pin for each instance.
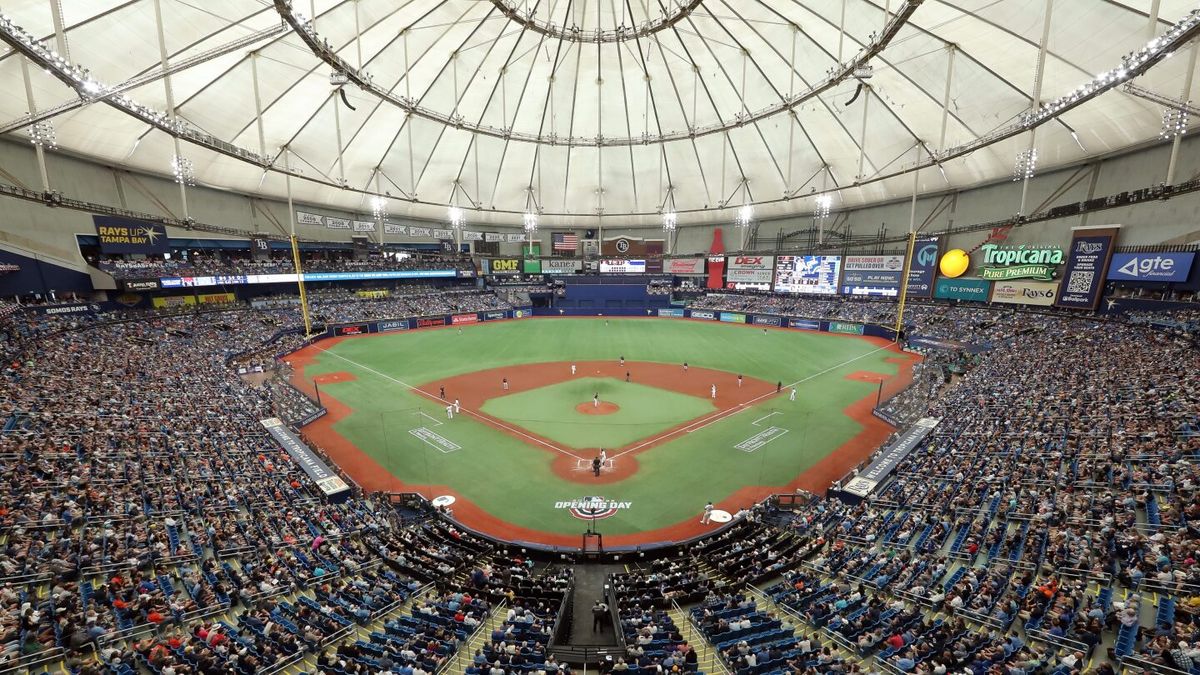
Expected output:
(230, 264)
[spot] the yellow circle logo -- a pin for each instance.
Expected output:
(954, 263)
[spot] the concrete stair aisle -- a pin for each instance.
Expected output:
(464, 656)
(707, 658)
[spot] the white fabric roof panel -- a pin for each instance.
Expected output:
(467, 60)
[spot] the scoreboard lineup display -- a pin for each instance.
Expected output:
(817, 274)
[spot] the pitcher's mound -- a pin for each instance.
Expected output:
(605, 408)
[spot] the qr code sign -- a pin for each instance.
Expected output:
(1080, 281)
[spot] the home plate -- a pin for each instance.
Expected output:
(447, 500)
(586, 465)
(719, 516)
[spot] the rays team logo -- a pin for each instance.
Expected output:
(622, 246)
(592, 508)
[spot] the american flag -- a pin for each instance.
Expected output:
(565, 242)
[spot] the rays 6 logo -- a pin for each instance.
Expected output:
(592, 508)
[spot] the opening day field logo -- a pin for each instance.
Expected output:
(592, 508)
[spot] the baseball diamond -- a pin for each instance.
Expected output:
(513, 456)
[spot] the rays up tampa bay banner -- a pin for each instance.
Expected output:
(122, 235)
(1087, 264)
(326, 479)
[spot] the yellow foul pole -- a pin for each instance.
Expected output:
(908, 253)
(287, 157)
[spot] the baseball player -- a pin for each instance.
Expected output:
(707, 517)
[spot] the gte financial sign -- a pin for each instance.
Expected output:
(1020, 262)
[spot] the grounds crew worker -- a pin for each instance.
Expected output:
(599, 613)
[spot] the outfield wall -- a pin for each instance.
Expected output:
(764, 320)
(418, 322)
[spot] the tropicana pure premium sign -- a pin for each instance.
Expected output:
(1021, 261)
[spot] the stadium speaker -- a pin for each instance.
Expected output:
(589, 234)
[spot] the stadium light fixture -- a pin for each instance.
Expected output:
(745, 216)
(670, 220)
(1026, 165)
(184, 170)
(379, 207)
(1174, 123)
(530, 220)
(824, 205)
(457, 217)
(42, 135)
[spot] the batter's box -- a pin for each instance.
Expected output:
(760, 439)
(586, 465)
(439, 442)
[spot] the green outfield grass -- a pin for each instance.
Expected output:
(512, 478)
(550, 411)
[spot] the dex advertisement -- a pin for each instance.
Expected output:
(922, 269)
(750, 269)
(1162, 267)
(1087, 263)
(808, 274)
(1041, 293)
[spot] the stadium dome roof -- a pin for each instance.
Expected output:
(570, 106)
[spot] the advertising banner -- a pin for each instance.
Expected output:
(703, 314)
(60, 310)
(493, 316)
(1041, 293)
(326, 479)
(591, 247)
(890, 457)
(808, 274)
(305, 218)
(503, 266)
(922, 269)
(459, 319)
(373, 294)
(471, 235)
(873, 275)
(337, 223)
(443, 234)
(1162, 267)
(140, 284)
(392, 228)
(804, 324)
(260, 248)
(1022, 261)
(173, 301)
(121, 235)
(216, 298)
(560, 266)
(766, 320)
(674, 313)
(977, 290)
(391, 325)
(419, 231)
(685, 267)
(352, 329)
(733, 317)
(1087, 263)
(428, 321)
(622, 266)
(846, 328)
(493, 237)
(750, 269)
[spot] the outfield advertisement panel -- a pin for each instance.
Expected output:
(502, 266)
(1087, 263)
(922, 269)
(872, 275)
(555, 266)
(733, 317)
(1040, 293)
(977, 290)
(845, 328)
(817, 274)
(459, 319)
(429, 321)
(762, 320)
(1161, 267)
(804, 324)
(391, 325)
(703, 314)
(750, 269)
(492, 316)
(352, 329)
(685, 267)
(622, 266)
(672, 313)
